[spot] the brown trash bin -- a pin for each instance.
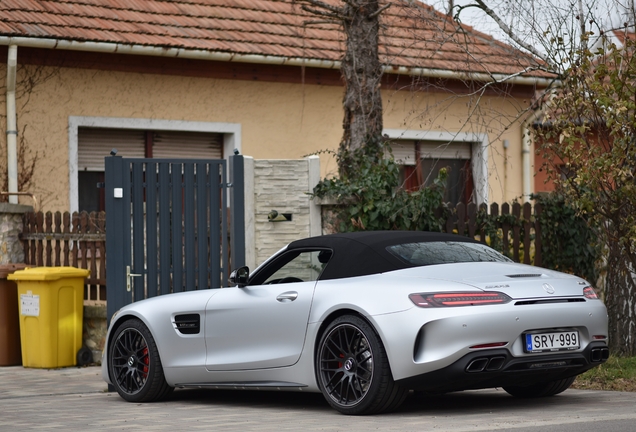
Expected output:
(10, 351)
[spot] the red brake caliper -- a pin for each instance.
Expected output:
(146, 361)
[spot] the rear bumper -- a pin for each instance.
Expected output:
(498, 368)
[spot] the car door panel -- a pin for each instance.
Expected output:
(257, 327)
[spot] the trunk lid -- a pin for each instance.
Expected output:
(519, 281)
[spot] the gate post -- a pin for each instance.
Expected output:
(237, 212)
(117, 200)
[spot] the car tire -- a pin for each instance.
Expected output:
(353, 370)
(545, 389)
(134, 364)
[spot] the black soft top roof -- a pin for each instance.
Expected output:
(364, 252)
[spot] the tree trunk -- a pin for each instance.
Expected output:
(620, 300)
(362, 72)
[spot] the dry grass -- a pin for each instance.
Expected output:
(617, 374)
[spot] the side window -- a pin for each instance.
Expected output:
(305, 266)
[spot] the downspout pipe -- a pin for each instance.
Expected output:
(526, 153)
(12, 128)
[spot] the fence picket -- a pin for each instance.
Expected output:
(461, 218)
(472, 220)
(39, 227)
(483, 208)
(48, 250)
(57, 230)
(527, 214)
(66, 230)
(537, 236)
(516, 229)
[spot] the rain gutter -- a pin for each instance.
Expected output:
(118, 48)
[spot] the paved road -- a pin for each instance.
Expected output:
(76, 399)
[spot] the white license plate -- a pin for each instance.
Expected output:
(557, 341)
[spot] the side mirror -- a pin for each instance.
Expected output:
(240, 276)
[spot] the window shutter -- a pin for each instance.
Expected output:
(94, 144)
(404, 151)
(437, 150)
(187, 145)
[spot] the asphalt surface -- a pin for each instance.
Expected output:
(77, 399)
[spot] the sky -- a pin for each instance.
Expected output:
(607, 13)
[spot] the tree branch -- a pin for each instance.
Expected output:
(379, 11)
(322, 5)
(335, 22)
(503, 26)
(322, 13)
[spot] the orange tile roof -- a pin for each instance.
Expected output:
(624, 34)
(413, 35)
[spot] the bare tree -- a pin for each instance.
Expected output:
(587, 135)
(361, 70)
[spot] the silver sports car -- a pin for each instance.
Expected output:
(364, 318)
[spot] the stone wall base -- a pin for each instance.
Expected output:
(94, 334)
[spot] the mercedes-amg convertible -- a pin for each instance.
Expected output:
(365, 318)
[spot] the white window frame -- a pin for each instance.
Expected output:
(231, 139)
(479, 152)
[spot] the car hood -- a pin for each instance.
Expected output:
(519, 281)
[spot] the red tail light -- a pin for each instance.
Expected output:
(590, 293)
(427, 300)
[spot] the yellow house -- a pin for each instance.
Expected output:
(201, 79)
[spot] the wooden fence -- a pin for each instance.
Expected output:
(78, 239)
(64, 239)
(511, 229)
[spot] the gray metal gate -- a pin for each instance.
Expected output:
(167, 226)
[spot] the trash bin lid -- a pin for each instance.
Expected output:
(7, 269)
(48, 273)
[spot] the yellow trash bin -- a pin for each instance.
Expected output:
(51, 301)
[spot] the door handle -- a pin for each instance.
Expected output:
(130, 275)
(287, 297)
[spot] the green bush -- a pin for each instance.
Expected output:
(370, 197)
(568, 243)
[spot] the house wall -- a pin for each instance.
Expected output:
(550, 166)
(280, 116)
(494, 119)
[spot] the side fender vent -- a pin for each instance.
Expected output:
(188, 323)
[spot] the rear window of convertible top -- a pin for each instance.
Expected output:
(430, 253)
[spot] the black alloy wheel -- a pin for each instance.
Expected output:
(134, 364)
(353, 369)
